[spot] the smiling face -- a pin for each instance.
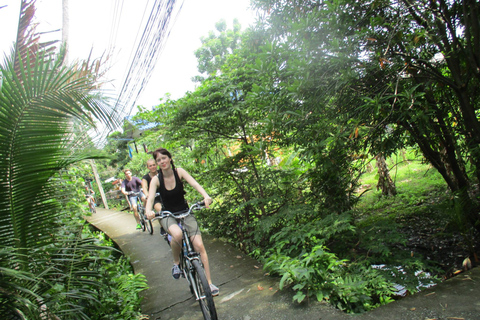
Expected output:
(163, 161)
(152, 165)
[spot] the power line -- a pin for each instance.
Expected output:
(155, 34)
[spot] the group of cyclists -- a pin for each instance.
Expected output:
(162, 189)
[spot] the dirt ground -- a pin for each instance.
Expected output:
(448, 250)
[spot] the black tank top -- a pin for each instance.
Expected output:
(172, 200)
(148, 179)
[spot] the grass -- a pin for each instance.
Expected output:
(417, 183)
(420, 219)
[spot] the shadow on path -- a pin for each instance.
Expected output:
(247, 294)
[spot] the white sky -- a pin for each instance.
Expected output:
(91, 27)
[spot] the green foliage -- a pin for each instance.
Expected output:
(118, 289)
(50, 268)
(302, 229)
(320, 87)
(216, 47)
(78, 273)
(320, 274)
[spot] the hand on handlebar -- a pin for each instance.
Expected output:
(207, 201)
(150, 214)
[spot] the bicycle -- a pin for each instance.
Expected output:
(191, 264)
(91, 203)
(144, 222)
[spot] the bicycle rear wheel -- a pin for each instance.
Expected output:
(205, 295)
(141, 217)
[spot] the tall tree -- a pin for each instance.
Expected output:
(410, 74)
(216, 47)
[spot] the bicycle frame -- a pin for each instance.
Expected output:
(187, 255)
(191, 264)
(145, 223)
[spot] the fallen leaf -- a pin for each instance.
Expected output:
(413, 309)
(467, 277)
(239, 257)
(256, 267)
(270, 288)
(457, 272)
(231, 266)
(259, 287)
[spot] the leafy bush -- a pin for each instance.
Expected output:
(78, 275)
(322, 275)
(119, 287)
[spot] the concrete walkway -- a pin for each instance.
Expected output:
(247, 294)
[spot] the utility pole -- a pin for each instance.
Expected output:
(65, 26)
(99, 183)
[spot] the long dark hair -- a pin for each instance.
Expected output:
(165, 152)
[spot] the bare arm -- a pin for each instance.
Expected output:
(126, 196)
(183, 174)
(145, 187)
(151, 197)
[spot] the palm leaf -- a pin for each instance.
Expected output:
(39, 103)
(46, 109)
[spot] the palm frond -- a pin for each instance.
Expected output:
(40, 101)
(46, 112)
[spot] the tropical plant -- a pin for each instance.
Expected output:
(46, 108)
(400, 72)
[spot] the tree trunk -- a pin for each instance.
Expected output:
(385, 182)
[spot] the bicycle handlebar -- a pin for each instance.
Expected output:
(180, 214)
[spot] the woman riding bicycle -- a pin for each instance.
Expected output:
(169, 184)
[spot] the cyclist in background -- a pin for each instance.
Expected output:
(152, 172)
(90, 196)
(146, 179)
(169, 184)
(134, 184)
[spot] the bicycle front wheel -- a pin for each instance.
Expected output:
(148, 224)
(205, 297)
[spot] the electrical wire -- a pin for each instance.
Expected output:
(155, 34)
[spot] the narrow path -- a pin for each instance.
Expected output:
(247, 294)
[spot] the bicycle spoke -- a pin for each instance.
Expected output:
(205, 298)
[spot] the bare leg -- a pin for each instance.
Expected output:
(200, 248)
(135, 213)
(176, 243)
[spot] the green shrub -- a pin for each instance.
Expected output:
(321, 275)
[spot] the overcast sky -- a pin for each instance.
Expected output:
(91, 27)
